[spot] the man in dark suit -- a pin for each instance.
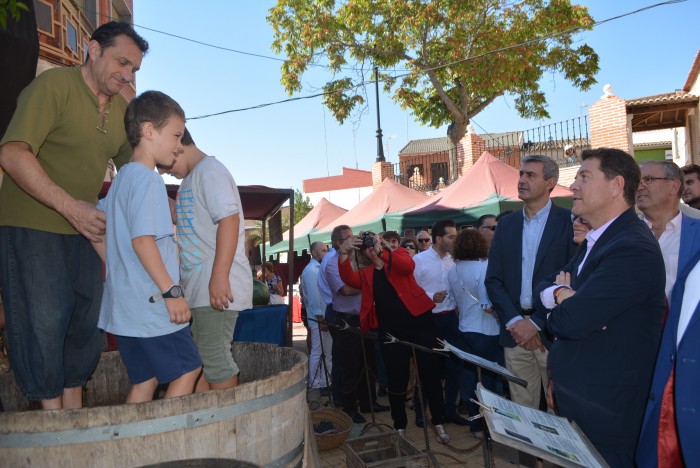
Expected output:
(528, 245)
(674, 400)
(606, 309)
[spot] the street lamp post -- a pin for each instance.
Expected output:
(380, 146)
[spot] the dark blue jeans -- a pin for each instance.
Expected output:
(447, 328)
(487, 347)
(52, 291)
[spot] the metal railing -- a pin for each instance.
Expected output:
(424, 172)
(549, 140)
(430, 172)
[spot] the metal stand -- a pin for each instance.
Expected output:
(324, 367)
(370, 335)
(487, 446)
(431, 453)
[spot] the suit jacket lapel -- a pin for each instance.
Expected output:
(547, 235)
(577, 261)
(677, 295)
(690, 241)
(618, 225)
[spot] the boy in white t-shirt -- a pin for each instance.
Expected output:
(214, 269)
(143, 305)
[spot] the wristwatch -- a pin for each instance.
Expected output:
(172, 292)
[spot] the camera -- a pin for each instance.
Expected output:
(367, 239)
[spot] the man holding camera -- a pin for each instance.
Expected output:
(348, 343)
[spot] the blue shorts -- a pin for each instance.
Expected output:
(51, 290)
(166, 357)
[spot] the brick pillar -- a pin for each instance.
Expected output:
(380, 171)
(469, 149)
(610, 127)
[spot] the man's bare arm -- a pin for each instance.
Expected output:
(17, 159)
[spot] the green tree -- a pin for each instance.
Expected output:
(11, 8)
(459, 53)
(302, 206)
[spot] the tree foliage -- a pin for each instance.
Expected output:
(12, 9)
(302, 206)
(458, 53)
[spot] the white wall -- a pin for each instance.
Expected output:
(346, 198)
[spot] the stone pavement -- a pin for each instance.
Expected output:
(468, 450)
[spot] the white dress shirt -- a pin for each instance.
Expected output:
(547, 296)
(670, 243)
(431, 275)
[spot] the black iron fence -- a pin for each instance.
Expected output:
(561, 141)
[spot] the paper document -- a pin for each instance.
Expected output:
(532, 431)
(484, 363)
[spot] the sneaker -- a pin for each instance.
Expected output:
(441, 434)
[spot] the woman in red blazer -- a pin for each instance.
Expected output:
(393, 302)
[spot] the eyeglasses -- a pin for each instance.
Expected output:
(422, 241)
(648, 180)
(410, 247)
(493, 228)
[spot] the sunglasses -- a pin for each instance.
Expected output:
(422, 241)
(575, 218)
(410, 247)
(493, 228)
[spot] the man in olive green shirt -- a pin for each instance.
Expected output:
(68, 124)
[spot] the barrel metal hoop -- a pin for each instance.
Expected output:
(145, 428)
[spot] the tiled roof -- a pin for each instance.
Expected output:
(652, 144)
(426, 145)
(666, 98)
(693, 74)
(438, 145)
(351, 178)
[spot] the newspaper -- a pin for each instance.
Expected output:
(542, 434)
(484, 363)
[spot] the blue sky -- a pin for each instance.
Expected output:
(640, 55)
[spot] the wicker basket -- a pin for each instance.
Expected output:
(339, 419)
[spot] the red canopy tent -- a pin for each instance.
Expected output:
(388, 197)
(489, 187)
(319, 217)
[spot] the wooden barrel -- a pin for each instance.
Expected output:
(261, 421)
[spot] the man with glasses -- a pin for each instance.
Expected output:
(68, 125)
(424, 241)
(347, 345)
(658, 198)
(486, 225)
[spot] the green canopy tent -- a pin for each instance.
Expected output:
(489, 187)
